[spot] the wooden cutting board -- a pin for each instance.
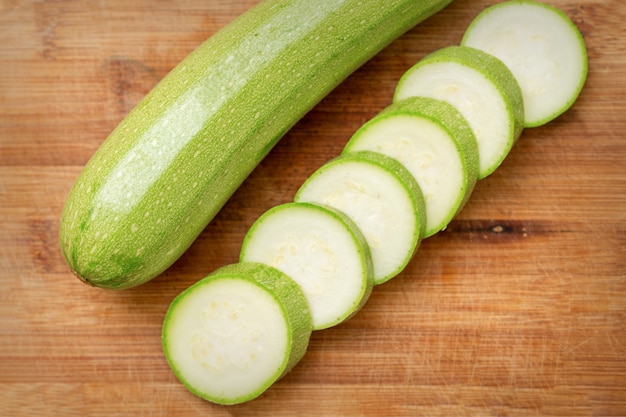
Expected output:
(517, 309)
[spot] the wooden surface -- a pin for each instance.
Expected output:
(518, 309)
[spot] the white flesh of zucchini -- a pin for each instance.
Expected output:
(436, 145)
(227, 340)
(233, 334)
(542, 47)
(471, 81)
(320, 249)
(381, 197)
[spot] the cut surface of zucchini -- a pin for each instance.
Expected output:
(230, 336)
(381, 196)
(481, 87)
(322, 250)
(543, 48)
(436, 145)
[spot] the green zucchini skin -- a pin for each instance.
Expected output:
(173, 162)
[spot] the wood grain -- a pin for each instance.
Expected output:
(517, 309)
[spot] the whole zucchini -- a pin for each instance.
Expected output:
(174, 161)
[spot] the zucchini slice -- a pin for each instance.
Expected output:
(231, 335)
(382, 198)
(542, 47)
(435, 143)
(481, 87)
(322, 250)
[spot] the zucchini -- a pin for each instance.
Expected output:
(231, 335)
(435, 143)
(174, 161)
(542, 47)
(322, 250)
(482, 89)
(381, 197)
